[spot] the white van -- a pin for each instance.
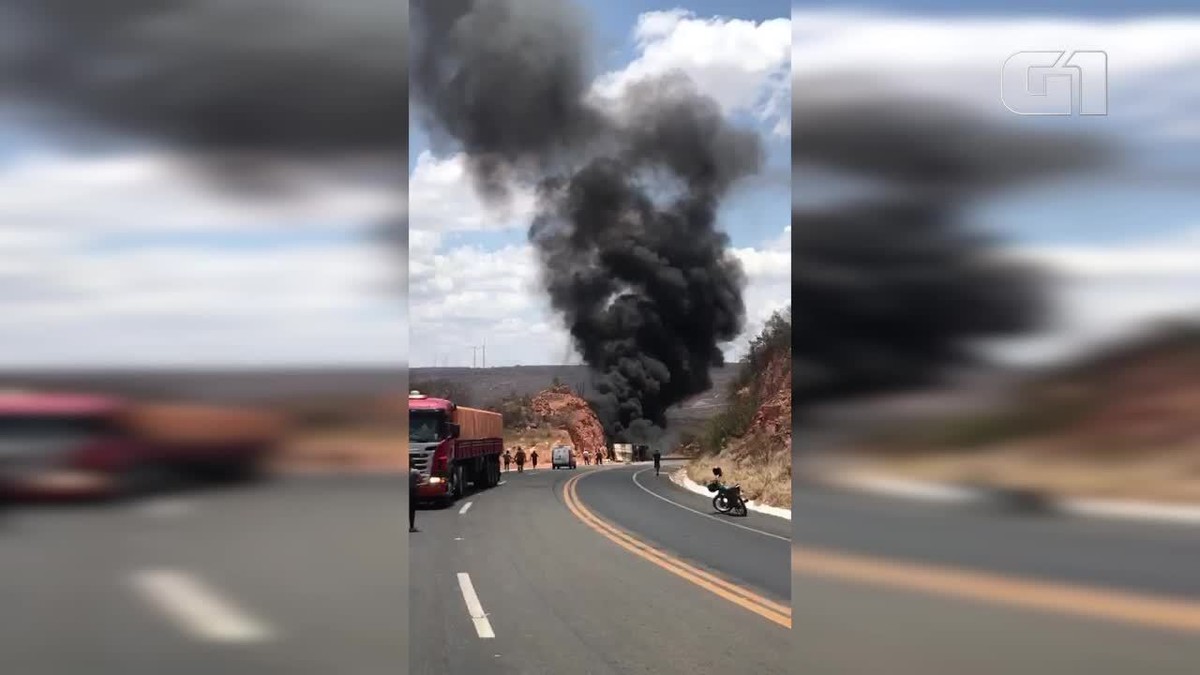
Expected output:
(562, 456)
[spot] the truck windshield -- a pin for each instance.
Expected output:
(48, 425)
(424, 426)
(35, 433)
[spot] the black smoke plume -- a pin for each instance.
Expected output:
(259, 96)
(892, 287)
(626, 232)
(252, 85)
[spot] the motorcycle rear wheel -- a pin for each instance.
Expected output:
(721, 504)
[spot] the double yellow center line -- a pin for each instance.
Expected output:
(768, 609)
(995, 589)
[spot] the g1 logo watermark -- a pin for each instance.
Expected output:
(1055, 83)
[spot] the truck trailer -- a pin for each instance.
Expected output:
(60, 445)
(451, 446)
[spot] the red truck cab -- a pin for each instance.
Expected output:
(57, 445)
(446, 456)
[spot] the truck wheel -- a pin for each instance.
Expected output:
(456, 488)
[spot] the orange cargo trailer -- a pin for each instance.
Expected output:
(194, 424)
(475, 424)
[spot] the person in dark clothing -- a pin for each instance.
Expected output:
(507, 459)
(657, 461)
(413, 479)
(533, 458)
(520, 459)
(599, 457)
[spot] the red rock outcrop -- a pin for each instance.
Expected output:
(562, 408)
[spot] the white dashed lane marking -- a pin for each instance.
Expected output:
(196, 609)
(482, 626)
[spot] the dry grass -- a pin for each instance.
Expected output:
(768, 483)
(361, 447)
(1166, 477)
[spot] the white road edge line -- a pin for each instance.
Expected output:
(482, 625)
(701, 513)
(464, 508)
(196, 609)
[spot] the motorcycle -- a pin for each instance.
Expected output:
(728, 498)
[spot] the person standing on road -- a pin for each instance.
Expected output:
(657, 460)
(520, 459)
(599, 457)
(533, 457)
(507, 459)
(413, 479)
(587, 458)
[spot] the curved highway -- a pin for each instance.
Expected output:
(908, 588)
(598, 570)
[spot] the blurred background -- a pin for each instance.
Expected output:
(998, 359)
(201, 229)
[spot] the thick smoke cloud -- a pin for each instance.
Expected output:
(506, 81)
(891, 288)
(626, 227)
(250, 84)
(932, 149)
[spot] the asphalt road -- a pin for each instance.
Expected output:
(890, 585)
(298, 575)
(548, 593)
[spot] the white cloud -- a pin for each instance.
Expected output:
(1105, 292)
(185, 282)
(472, 284)
(442, 199)
(741, 64)
(898, 44)
(1174, 256)
(154, 193)
(72, 295)
(466, 296)
(1150, 59)
(766, 265)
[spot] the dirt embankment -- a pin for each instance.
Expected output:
(761, 457)
(559, 415)
(1123, 424)
(363, 435)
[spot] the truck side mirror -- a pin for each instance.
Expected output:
(455, 430)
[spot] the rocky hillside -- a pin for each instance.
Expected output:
(752, 440)
(561, 408)
(1136, 397)
(1121, 422)
(550, 417)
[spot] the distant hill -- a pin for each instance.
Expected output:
(240, 386)
(487, 386)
